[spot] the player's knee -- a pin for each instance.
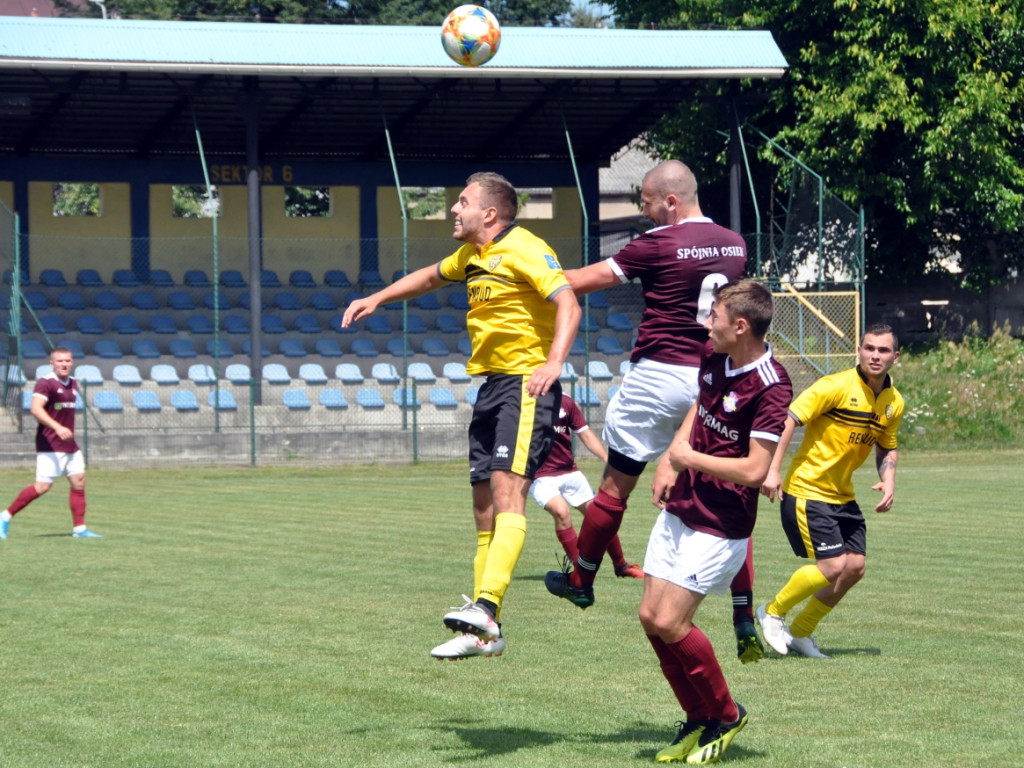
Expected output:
(42, 488)
(832, 568)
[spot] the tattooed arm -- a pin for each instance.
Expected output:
(885, 461)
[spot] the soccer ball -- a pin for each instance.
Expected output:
(470, 35)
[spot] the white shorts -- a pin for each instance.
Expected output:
(647, 411)
(691, 559)
(50, 466)
(572, 485)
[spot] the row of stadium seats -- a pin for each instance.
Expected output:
(369, 398)
(431, 346)
(163, 374)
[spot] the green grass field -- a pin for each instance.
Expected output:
(284, 617)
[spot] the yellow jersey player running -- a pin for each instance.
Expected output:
(522, 321)
(844, 415)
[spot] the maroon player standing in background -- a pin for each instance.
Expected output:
(57, 453)
(679, 263)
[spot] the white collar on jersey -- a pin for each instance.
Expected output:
(730, 371)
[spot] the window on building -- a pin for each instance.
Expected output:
(76, 199)
(191, 201)
(306, 202)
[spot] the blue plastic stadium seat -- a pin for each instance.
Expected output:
(370, 278)
(73, 346)
(428, 302)
(272, 324)
(456, 373)
(107, 401)
(247, 348)
(385, 373)
(578, 348)
(146, 401)
(16, 375)
(609, 345)
(465, 346)
(125, 278)
(296, 400)
(32, 349)
(323, 302)
(196, 278)
(312, 373)
(407, 398)
(378, 324)
(52, 324)
(223, 303)
(568, 372)
(443, 397)
(222, 349)
(598, 370)
(222, 400)
(108, 349)
(471, 393)
(89, 374)
(71, 301)
(301, 278)
(35, 300)
(89, 278)
(107, 300)
(421, 372)
(588, 323)
(161, 278)
(448, 324)
(287, 301)
(52, 278)
(201, 373)
(269, 279)
(26, 400)
(618, 321)
(162, 324)
(364, 348)
(399, 347)
(332, 398)
(234, 324)
(237, 373)
(369, 398)
(145, 348)
(232, 278)
(587, 396)
(348, 373)
(87, 324)
(336, 278)
(245, 301)
(182, 348)
(291, 348)
(434, 347)
(624, 367)
(127, 375)
(126, 325)
(164, 374)
(144, 300)
(328, 348)
(308, 324)
(275, 373)
(353, 296)
(458, 300)
(415, 324)
(181, 301)
(184, 400)
(199, 324)
(398, 274)
(598, 300)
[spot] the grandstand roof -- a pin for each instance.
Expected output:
(132, 87)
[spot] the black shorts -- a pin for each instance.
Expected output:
(511, 430)
(821, 530)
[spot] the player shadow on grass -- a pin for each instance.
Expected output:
(486, 741)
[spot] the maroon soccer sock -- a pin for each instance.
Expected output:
(26, 497)
(600, 524)
(687, 696)
(697, 658)
(77, 502)
(742, 588)
(618, 558)
(567, 538)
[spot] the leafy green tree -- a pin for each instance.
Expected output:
(913, 109)
(76, 199)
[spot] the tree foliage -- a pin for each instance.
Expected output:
(911, 108)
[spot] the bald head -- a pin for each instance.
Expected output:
(669, 193)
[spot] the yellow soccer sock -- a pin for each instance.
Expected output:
(483, 545)
(807, 620)
(801, 585)
(506, 546)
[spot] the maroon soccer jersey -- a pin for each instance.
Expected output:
(735, 405)
(561, 460)
(60, 404)
(679, 266)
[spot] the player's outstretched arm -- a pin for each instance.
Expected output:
(772, 485)
(410, 286)
(886, 460)
(593, 277)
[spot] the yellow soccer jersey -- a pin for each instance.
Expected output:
(510, 282)
(842, 421)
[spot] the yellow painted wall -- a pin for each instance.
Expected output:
(7, 194)
(70, 243)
